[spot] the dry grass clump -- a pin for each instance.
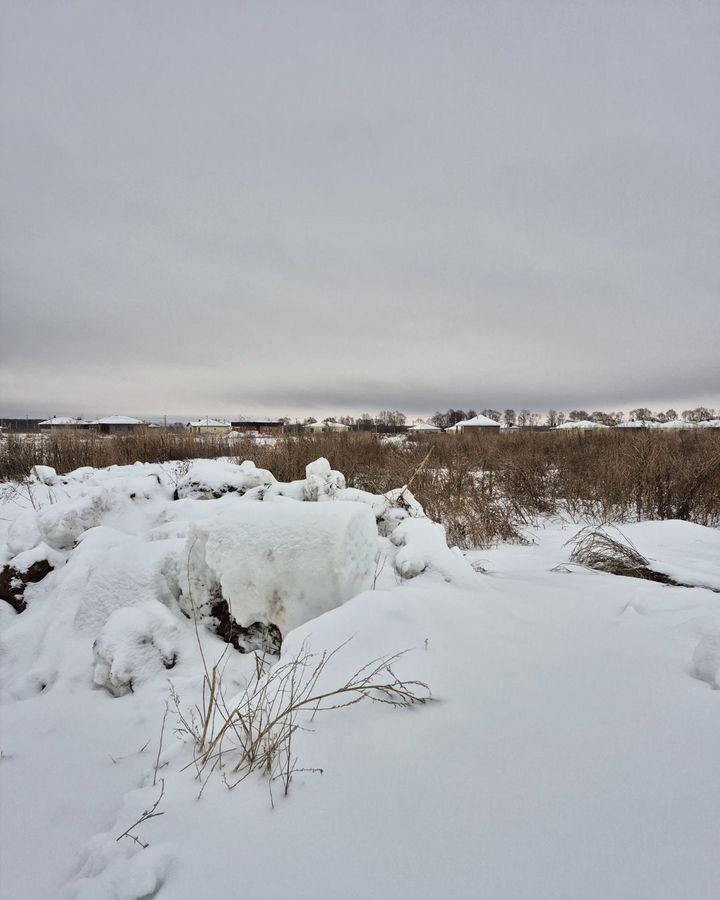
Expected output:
(254, 733)
(595, 548)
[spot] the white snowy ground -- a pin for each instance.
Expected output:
(573, 750)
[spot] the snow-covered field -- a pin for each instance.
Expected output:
(571, 748)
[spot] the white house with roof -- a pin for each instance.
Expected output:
(209, 426)
(478, 424)
(62, 423)
(117, 424)
(424, 428)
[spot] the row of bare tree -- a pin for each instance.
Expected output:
(525, 417)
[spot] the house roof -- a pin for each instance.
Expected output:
(583, 423)
(63, 420)
(337, 426)
(479, 421)
(421, 426)
(209, 423)
(117, 420)
(246, 420)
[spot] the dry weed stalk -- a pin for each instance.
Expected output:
(254, 733)
(145, 817)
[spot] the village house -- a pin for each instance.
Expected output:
(259, 426)
(423, 428)
(62, 423)
(209, 426)
(477, 425)
(117, 425)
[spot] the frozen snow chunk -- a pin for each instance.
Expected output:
(402, 498)
(208, 478)
(423, 548)
(135, 644)
(400, 504)
(321, 468)
(389, 509)
(321, 481)
(292, 490)
(706, 659)
(377, 502)
(280, 562)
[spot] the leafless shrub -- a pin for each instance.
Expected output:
(254, 733)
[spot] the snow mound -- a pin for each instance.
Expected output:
(212, 478)
(248, 557)
(135, 644)
(279, 562)
(130, 573)
(62, 524)
(321, 481)
(423, 548)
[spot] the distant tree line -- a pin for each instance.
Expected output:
(388, 420)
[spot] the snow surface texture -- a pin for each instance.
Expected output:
(572, 753)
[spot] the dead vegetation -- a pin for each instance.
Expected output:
(483, 488)
(254, 732)
(608, 550)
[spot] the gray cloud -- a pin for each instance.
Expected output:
(308, 207)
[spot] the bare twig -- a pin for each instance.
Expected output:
(145, 817)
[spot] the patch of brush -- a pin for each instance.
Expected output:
(597, 548)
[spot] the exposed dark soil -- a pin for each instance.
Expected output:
(13, 582)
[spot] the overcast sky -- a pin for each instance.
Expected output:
(327, 207)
